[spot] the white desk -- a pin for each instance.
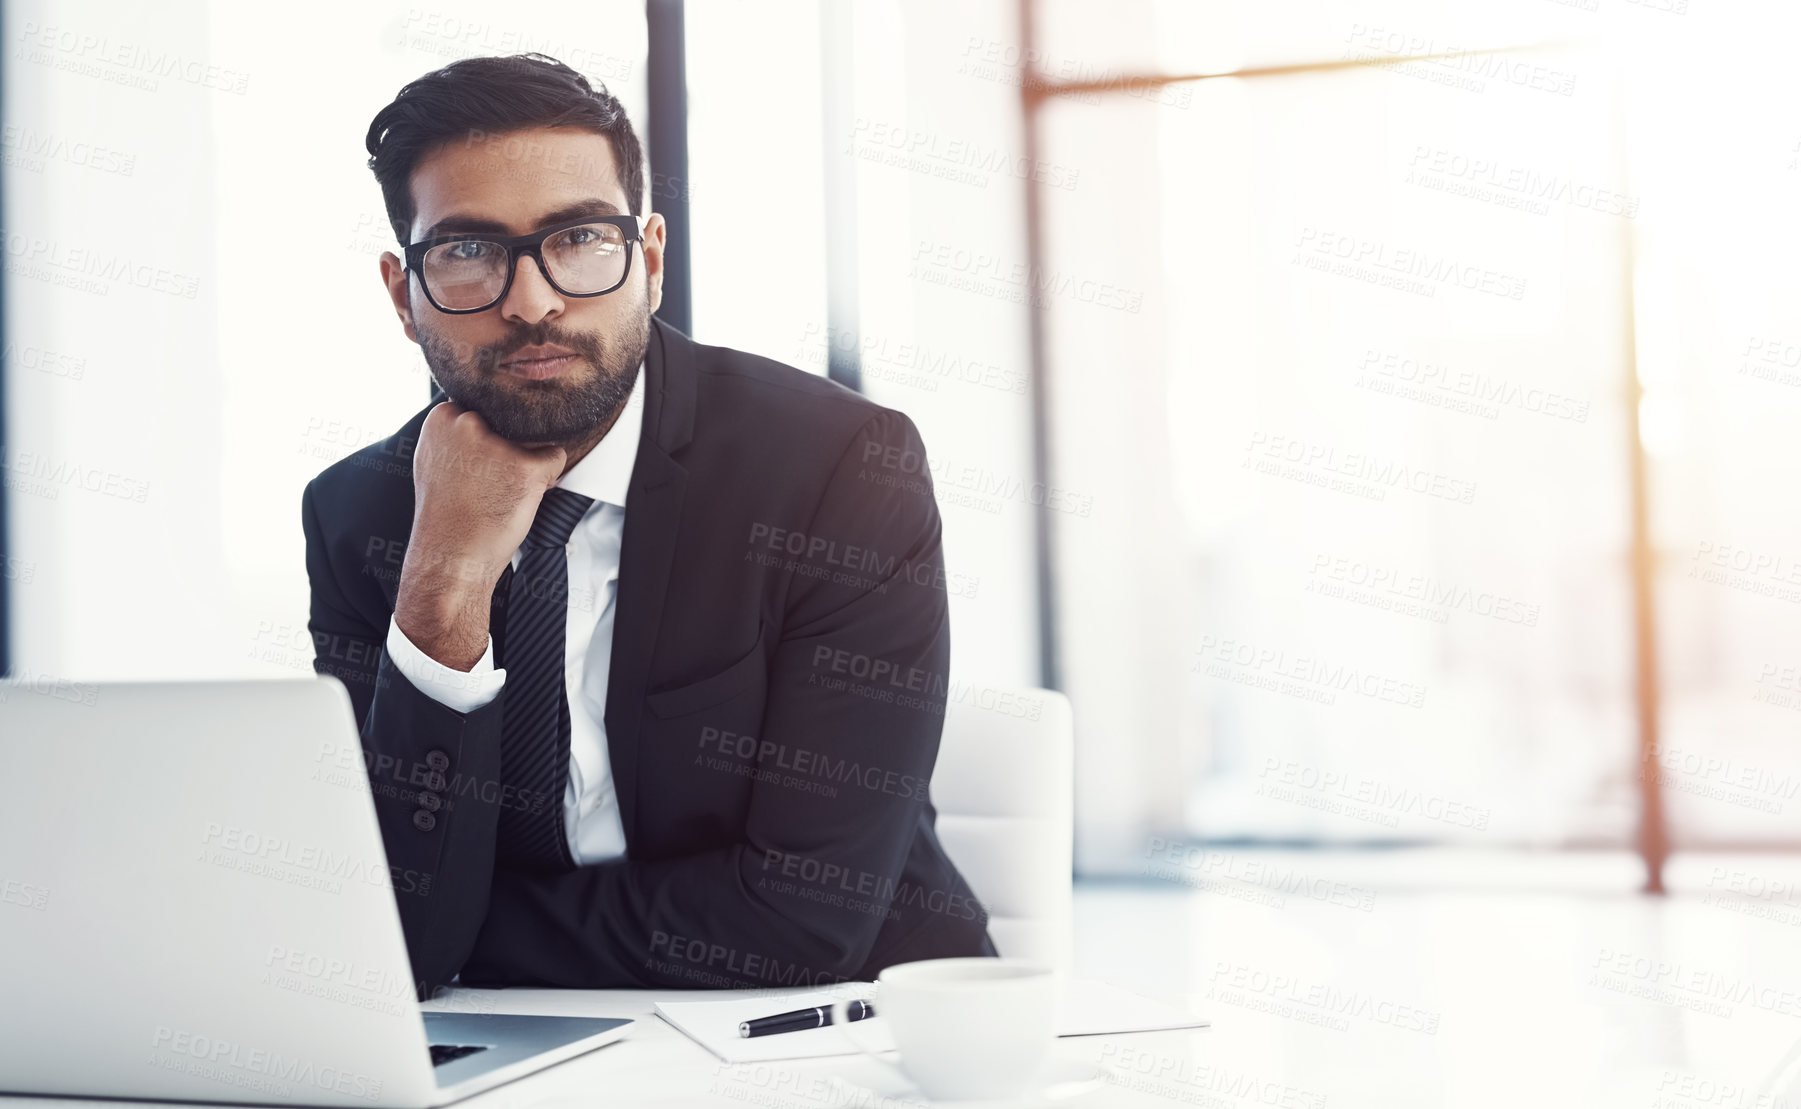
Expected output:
(659, 1066)
(1516, 957)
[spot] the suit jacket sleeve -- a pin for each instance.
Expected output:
(714, 918)
(411, 745)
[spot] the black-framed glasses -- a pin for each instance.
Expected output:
(472, 273)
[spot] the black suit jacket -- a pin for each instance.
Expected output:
(774, 705)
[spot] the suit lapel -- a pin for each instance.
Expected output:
(653, 512)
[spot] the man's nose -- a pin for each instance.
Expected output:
(532, 297)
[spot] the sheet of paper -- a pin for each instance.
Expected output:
(1085, 1008)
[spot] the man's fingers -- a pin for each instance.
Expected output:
(445, 410)
(462, 438)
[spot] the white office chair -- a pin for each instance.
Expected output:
(1004, 788)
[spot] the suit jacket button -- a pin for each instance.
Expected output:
(437, 760)
(430, 802)
(434, 780)
(424, 821)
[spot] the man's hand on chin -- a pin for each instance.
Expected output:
(474, 498)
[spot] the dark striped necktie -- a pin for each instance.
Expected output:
(534, 713)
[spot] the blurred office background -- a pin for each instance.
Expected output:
(1377, 417)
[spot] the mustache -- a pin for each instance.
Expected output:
(489, 356)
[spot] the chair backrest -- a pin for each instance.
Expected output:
(1004, 788)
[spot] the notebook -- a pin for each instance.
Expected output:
(1085, 1008)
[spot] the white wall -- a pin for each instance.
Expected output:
(955, 362)
(113, 464)
(248, 180)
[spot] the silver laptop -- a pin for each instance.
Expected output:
(195, 906)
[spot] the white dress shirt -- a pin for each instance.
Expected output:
(590, 807)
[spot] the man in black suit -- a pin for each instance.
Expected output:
(647, 639)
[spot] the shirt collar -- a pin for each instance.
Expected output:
(605, 472)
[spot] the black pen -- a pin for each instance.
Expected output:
(817, 1017)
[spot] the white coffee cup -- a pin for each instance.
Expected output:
(966, 1029)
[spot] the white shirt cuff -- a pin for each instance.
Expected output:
(460, 691)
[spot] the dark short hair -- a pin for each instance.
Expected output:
(478, 97)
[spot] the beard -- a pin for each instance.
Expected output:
(559, 410)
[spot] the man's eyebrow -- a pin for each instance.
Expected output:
(581, 209)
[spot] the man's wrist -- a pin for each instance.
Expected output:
(457, 690)
(453, 576)
(449, 625)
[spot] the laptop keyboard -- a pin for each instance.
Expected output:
(444, 1053)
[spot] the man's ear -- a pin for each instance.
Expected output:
(655, 228)
(394, 276)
